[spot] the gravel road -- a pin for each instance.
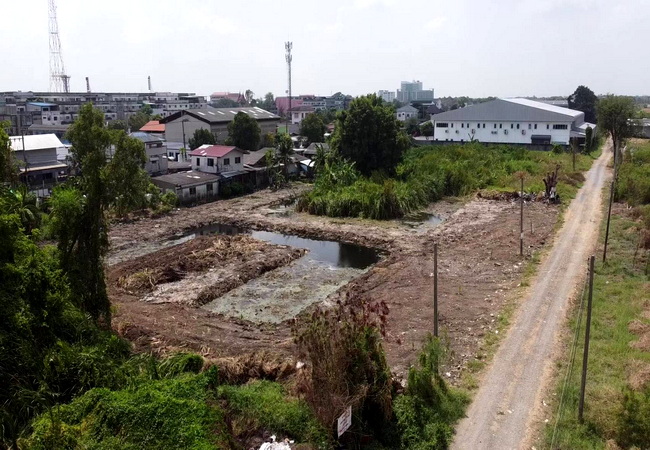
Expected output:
(509, 403)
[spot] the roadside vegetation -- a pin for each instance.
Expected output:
(617, 404)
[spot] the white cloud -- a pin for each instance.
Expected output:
(436, 23)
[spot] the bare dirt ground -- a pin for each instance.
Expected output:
(478, 262)
(509, 405)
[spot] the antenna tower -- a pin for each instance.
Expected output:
(59, 81)
(288, 46)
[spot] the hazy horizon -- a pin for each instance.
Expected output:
(472, 48)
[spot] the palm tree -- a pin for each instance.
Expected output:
(22, 203)
(284, 150)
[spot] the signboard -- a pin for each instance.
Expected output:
(345, 421)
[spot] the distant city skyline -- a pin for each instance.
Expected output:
(468, 47)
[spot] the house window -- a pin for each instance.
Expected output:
(535, 126)
(198, 161)
(442, 124)
(517, 126)
(452, 125)
(512, 125)
(237, 160)
(495, 125)
(209, 187)
(462, 125)
(500, 125)
(529, 126)
(226, 161)
(547, 126)
(192, 191)
(560, 126)
(210, 162)
(483, 125)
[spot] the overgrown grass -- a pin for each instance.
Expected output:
(430, 173)
(621, 294)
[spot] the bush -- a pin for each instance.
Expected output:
(264, 406)
(170, 199)
(633, 185)
(428, 409)
(347, 367)
(634, 419)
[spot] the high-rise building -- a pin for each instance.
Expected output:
(411, 91)
(387, 96)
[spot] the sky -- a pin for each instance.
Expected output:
(476, 48)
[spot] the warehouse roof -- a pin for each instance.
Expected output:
(512, 109)
(209, 114)
(35, 142)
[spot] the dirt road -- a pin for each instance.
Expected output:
(509, 403)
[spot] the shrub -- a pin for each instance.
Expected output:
(428, 409)
(634, 419)
(170, 199)
(347, 366)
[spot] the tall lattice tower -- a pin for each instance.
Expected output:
(59, 81)
(288, 46)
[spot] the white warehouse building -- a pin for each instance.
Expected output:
(511, 121)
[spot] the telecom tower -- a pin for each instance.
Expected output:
(288, 46)
(59, 81)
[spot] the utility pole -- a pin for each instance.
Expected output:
(521, 220)
(435, 289)
(87, 85)
(585, 356)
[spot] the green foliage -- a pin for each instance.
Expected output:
(633, 185)
(411, 126)
(263, 405)
(127, 181)
(614, 113)
(8, 163)
(21, 202)
(118, 125)
(312, 128)
(428, 409)
(269, 140)
(169, 198)
(202, 136)
(244, 132)
(225, 103)
(429, 173)
(138, 120)
(557, 149)
(174, 413)
(589, 140)
(634, 419)
(426, 129)
(584, 99)
(369, 135)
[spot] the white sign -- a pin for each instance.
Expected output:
(345, 421)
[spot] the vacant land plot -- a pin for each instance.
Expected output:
(478, 263)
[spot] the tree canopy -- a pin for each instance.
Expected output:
(202, 136)
(138, 120)
(244, 132)
(225, 103)
(614, 114)
(8, 163)
(369, 135)
(119, 125)
(584, 99)
(127, 164)
(312, 128)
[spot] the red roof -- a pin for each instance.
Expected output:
(153, 126)
(216, 151)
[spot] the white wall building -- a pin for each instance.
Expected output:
(406, 112)
(510, 121)
(387, 96)
(217, 159)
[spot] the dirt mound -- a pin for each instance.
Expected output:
(639, 375)
(637, 327)
(254, 366)
(643, 343)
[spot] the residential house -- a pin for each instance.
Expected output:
(300, 112)
(180, 127)
(511, 121)
(190, 187)
(217, 158)
(39, 165)
(154, 128)
(157, 162)
(406, 112)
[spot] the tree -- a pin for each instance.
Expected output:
(426, 129)
(138, 120)
(146, 109)
(225, 103)
(589, 140)
(614, 114)
(8, 164)
(249, 96)
(269, 140)
(312, 128)
(284, 150)
(127, 164)
(411, 126)
(584, 99)
(202, 136)
(268, 103)
(118, 125)
(244, 132)
(369, 135)
(22, 203)
(78, 212)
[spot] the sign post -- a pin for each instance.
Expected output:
(345, 421)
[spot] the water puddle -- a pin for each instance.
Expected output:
(421, 219)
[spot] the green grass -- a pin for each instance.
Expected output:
(621, 291)
(430, 173)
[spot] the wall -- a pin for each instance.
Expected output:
(174, 129)
(219, 163)
(506, 132)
